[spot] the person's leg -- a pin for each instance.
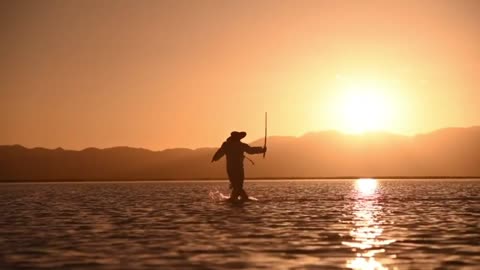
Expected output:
(235, 193)
(236, 188)
(231, 177)
(243, 194)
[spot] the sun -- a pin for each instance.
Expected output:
(364, 107)
(363, 104)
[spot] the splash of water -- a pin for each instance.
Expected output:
(218, 196)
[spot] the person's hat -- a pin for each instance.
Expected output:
(238, 135)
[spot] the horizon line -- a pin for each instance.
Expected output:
(466, 177)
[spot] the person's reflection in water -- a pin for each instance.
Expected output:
(234, 149)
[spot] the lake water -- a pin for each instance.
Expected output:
(348, 224)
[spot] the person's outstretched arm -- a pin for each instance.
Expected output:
(219, 154)
(255, 150)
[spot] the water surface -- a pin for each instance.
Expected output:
(362, 224)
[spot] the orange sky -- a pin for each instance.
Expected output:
(158, 74)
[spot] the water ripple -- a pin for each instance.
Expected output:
(363, 224)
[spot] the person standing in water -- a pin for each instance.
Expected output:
(234, 149)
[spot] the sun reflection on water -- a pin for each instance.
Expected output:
(367, 230)
(366, 186)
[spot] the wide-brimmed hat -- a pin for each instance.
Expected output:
(236, 135)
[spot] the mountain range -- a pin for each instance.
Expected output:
(450, 152)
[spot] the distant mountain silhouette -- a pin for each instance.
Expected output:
(447, 152)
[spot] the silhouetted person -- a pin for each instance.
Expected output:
(234, 149)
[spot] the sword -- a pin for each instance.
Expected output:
(265, 141)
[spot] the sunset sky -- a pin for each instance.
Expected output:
(163, 74)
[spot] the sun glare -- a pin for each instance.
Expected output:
(364, 107)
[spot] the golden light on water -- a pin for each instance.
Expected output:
(367, 228)
(366, 186)
(365, 264)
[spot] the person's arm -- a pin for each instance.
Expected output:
(255, 150)
(219, 154)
